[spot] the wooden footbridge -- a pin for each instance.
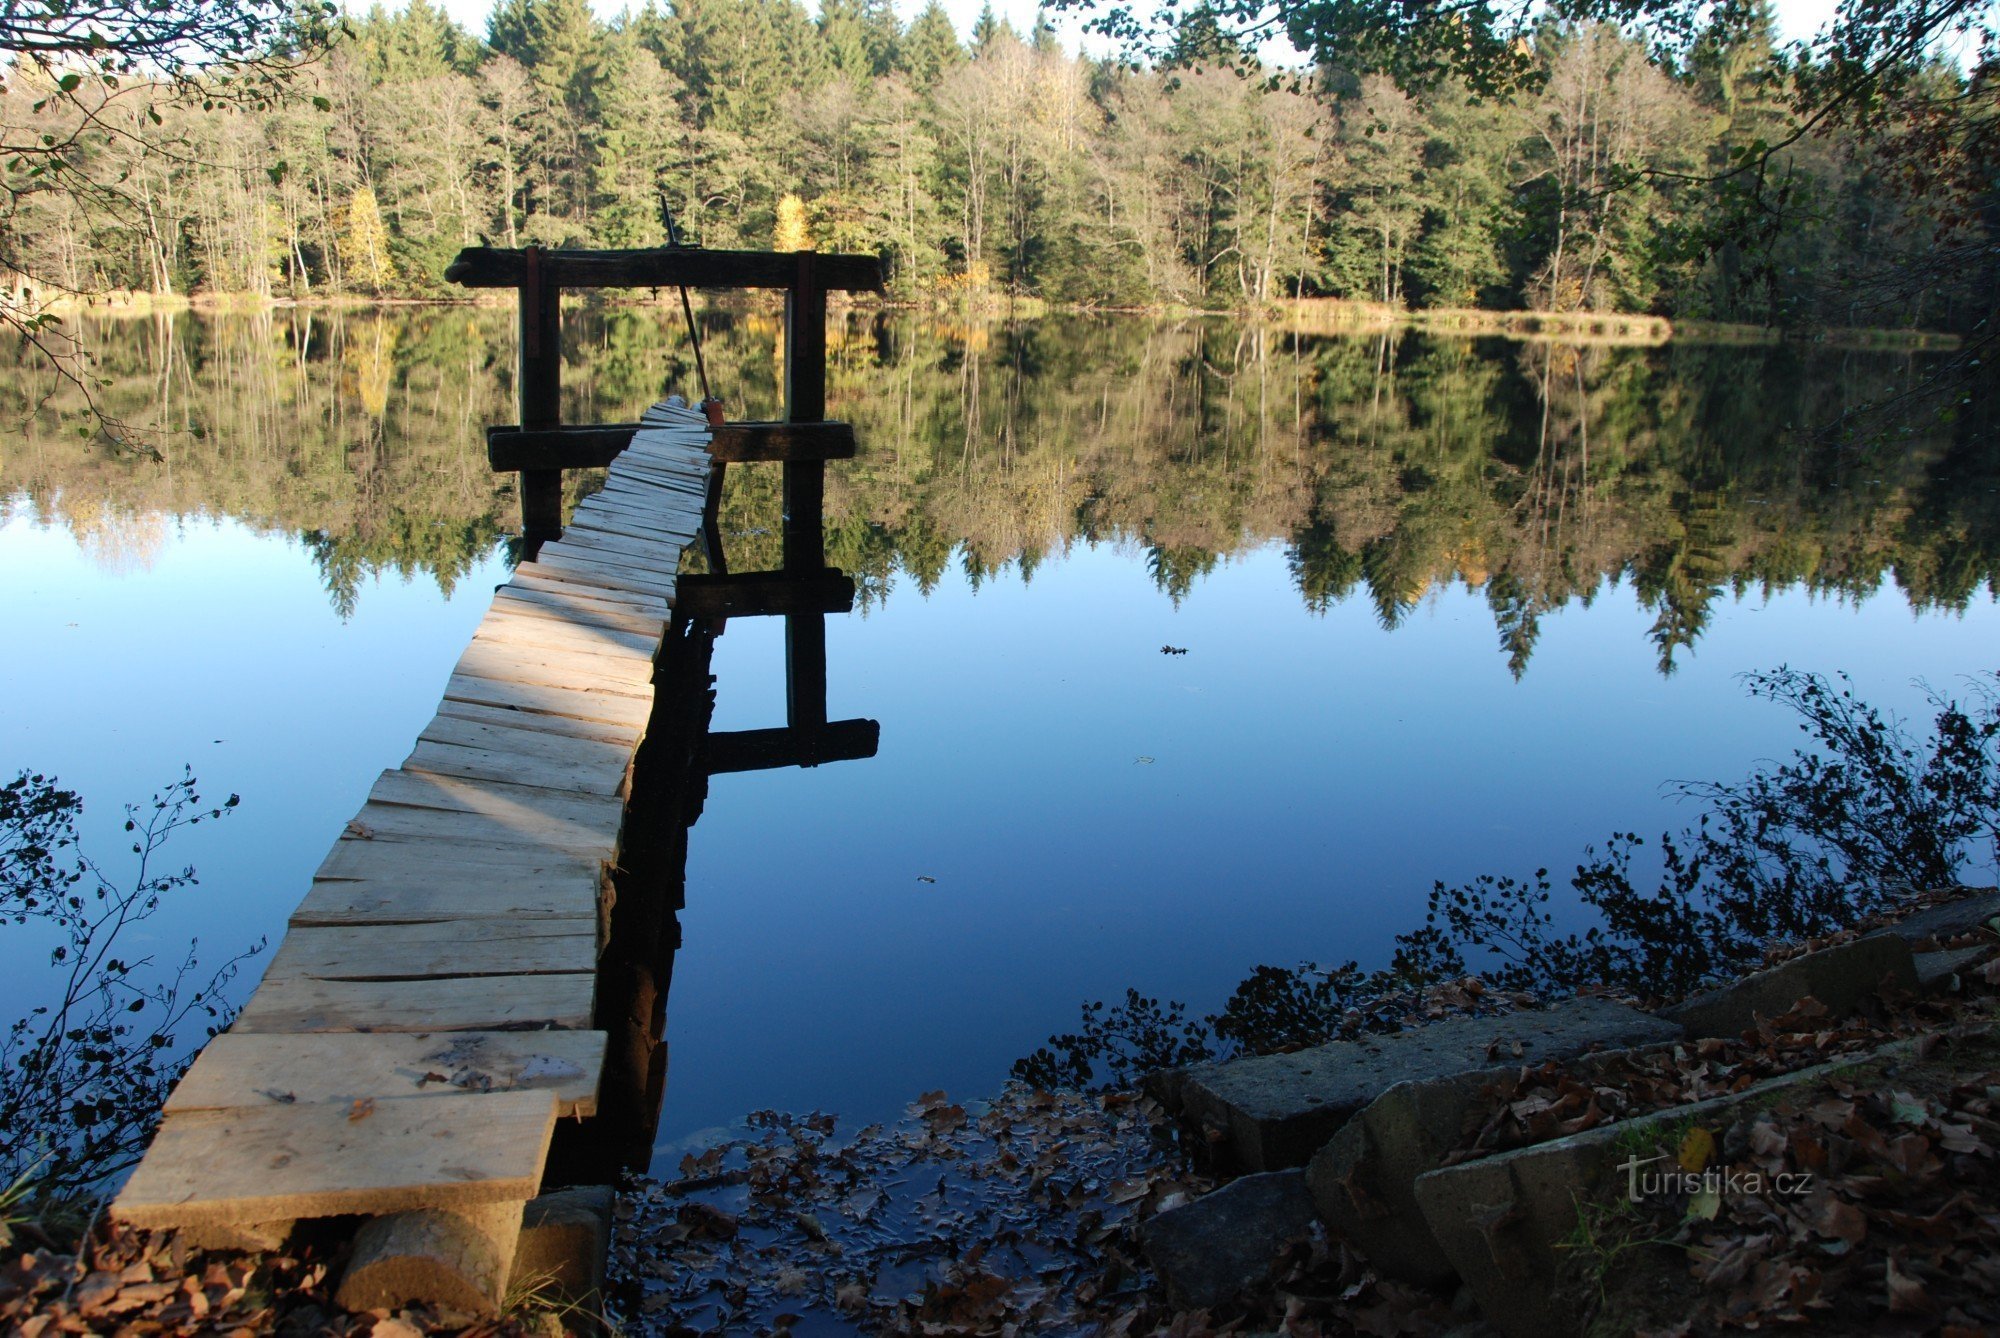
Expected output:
(438, 1002)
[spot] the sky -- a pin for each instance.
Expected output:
(1796, 18)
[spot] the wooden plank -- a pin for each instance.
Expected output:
(278, 1162)
(607, 707)
(557, 668)
(764, 592)
(548, 817)
(659, 267)
(265, 1068)
(639, 635)
(585, 776)
(463, 896)
(620, 652)
(533, 576)
(764, 749)
(615, 513)
(448, 843)
(555, 725)
(573, 604)
(399, 836)
(662, 554)
(560, 749)
(436, 950)
(628, 576)
(609, 575)
(509, 625)
(550, 672)
(455, 1003)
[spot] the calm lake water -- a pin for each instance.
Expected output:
(1449, 607)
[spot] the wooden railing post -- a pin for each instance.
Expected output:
(805, 402)
(541, 397)
(804, 503)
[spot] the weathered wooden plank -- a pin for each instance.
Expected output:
(569, 605)
(619, 652)
(547, 817)
(506, 625)
(661, 267)
(460, 895)
(766, 592)
(478, 947)
(283, 1161)
(660, 555)
(557, 668)
(608, 707)
(611, 576)
(559, 726)
(612, 513)
(585, 776)
(383, 838)
(560, 749)
(268, 1068)
(453, 1003)
(438, 843)
(630, 576)
(637, 603)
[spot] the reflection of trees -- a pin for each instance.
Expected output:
(1390, 465)
(357, 432)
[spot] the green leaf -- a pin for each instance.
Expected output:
(69, 82)
(322, 103)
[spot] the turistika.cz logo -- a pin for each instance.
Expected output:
(1691, 1174)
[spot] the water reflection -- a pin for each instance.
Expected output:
(1389, 466)
(668, 791)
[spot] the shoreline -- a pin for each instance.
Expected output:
(1307, 316)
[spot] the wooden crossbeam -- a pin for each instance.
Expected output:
(661, 267)
(750, 594)
(765, 749)
(595, 446)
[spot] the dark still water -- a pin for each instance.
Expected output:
(1448, 608)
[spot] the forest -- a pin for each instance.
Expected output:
(996, 166)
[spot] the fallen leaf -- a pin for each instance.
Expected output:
(1907, 1295)
(363, 1107)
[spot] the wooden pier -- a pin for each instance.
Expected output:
(434, 1007)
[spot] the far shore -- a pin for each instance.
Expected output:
(1317, 315)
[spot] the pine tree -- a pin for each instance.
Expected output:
(986, 30)
(931, 46)
(845, 41)
(507, 28)
(563, 39)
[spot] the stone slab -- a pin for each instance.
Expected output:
(1973, 911)
(1839, 977)
(1936, 971)
(1504, 1221)
(1274, 1111)
(1208, 1251)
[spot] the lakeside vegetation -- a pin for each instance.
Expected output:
(1388, 465)
(1002, 166)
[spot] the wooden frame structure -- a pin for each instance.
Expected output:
(541, 446)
